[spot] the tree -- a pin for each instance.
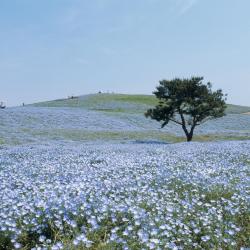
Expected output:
(188, 103)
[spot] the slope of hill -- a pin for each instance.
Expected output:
(105, 102)
(237, 109)
(109, 117)
(119, 103)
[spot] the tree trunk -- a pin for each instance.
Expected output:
(189, 134)
(189, 137)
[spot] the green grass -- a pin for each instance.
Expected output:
(98, 101)
(237, 109)
(218, 137)
(143, 136)
(85, 135)
(81, 135)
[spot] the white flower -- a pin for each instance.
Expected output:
(17, 245)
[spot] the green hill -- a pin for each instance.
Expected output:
(119, 103)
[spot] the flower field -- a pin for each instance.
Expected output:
(23, 125)
(99, 176)
(125, 196)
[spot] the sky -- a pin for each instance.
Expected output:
(55, 48)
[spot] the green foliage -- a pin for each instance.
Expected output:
(187, 102)
(5, 241)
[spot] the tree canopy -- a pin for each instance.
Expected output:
(188, 103)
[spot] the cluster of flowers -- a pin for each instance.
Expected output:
(129, 196)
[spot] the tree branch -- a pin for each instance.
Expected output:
(182, 118)
(175, 121)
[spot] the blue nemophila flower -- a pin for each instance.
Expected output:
(76, 242)
(205, 238)
(154, 196)
(88, 243)
(42, 238)
(17, 245)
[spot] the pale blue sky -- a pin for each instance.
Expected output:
(54, 48)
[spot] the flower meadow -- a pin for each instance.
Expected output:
(59, 195)
(21, 125)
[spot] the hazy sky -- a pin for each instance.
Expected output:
(54, 48)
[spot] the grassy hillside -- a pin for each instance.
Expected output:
(119, 103)
(237, 109)
(105, 102)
